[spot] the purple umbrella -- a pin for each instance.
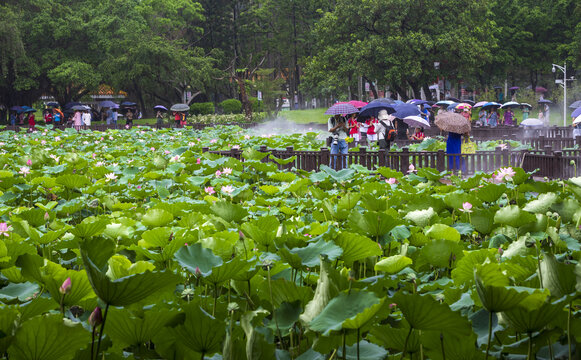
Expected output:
(160, 107)
(479, 104)
(108, 104)
(514, 88)
(575, 105)
(339, 109)
(576, 113)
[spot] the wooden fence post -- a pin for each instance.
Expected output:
(324, 158)
(578, 141)
(405, 160)
(558, 165)
(441, 161)
(363, 159)
(205, 149)
(505, 157)
(291, 151)
(497, 159)
(381, 161)
(263, 149)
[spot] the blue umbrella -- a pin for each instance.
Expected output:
(545, 101)
(416, 102)
(575, 105)
(576, 113)
(397, 102)
(405, 110)
(339, 109)
(452, 106)
(491, 104)
(128, 104)
(71, 104)
(160, 107)
(108, 104)
(373, 108)
(52, 104)
(444, 102)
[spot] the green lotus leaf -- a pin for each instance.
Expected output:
(456, 199)
(120, 266)
(310, 254)
(34, 217)
(393, 264)
(48, 337)
(35, 307)
(228, 270)
(542, 204)
(421, 217)
(464, 271)
(51, 236)
(286, 291)
(129, 289)
(443, 232)
(283, 177)
(73, 181)
(156, 218)
(372, 223)
(282, 161)
(367, 351)
(346, 311)
(514, 216)
(493, 290)
(566, 209)
(491, 192)
(394, 338)
(287, 314)
(196, 258)
(17, 292)
(53, 276)
(422, 312)
(263, 230)
(356, 247)
(525, 319)
(455, 347)
(200, 332)
(155, 238)
(251, 154)
(130, 330)
(558, 277)
(228, 211)
(440, 253)
(90, 227)
(9, 318)
(339, 176)
(257, 347)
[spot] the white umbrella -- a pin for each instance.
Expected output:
(510, 104)
(532, 122)
(416, 121)
(577, 120)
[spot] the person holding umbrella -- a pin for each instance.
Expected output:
(353, 126)
(385, 131)
(86, 117)
(508, 117)
(129, 117)
(159, 117)
(492, 119)
(455, 125)
(12, 118)
(338, 129)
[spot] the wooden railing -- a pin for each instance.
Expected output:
(547, 163)
(105, 127)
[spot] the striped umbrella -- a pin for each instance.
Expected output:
(339, 109)
(480, 104)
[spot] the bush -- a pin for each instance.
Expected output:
(231, 106)
(257, 105)
(226, 119)
(205, 108)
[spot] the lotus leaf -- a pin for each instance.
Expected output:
(157, 218)
(196, 258)
(200, 332)
(393, 264)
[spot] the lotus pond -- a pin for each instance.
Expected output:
(134, 244)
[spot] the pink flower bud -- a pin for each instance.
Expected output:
(46, 216)
(28, 162)
(198, 272)
(66, 286)
(96, 317)
(500, 251)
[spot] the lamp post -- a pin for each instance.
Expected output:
(563, 84)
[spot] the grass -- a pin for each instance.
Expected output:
(306, 116)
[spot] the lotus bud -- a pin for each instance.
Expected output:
(66, 286)
(96, 317)
(500, 251)
(198, 272)
(28, 162)
(46, 216)
(392, 305)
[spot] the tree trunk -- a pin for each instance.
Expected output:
(534, 79)
(401, 91)
(372, 87)
(428, 92)
(246, 105)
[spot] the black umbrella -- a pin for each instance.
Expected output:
(71, 104)
(128, 104)
(405, 110)
(468, 102)
(454, 99)
(108, 104)
(545, 101)
(373, 108)
(52, 104)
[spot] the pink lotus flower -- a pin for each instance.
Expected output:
(391, 181)
(138, 186)
(466, 207)
(411, 169)
(198, 160)
(246, 137)
(152, 148)
(46, 216)
(94, 155)
(167, 152)
(96, 317)
(28, 162)
(58, 138)
(43, 142)
(24, 170)
(226, 171)
(209, 190)
(505, 173)
(228, 189)
(218, 173)
(110, 176)
(191, 143)
(66, 286)
(4, 229)
(213, 141)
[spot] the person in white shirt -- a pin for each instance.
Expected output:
(86, 118)
(338, 129)
(382, 127)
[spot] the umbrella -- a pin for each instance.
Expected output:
(405, 110)
(532, 122)
(108, 104)
(129, 104)
(453, 122)
(575, 105)
(453, 99)
(383, 100)
(180, 107)
(452, 106)
(497, 87)
(71, 104)
(52, 104)
(468, 101)
(358, 104)
(81, 107)
(481, 103)
(416, 121)
(544, 101)
(444, 102)
(576, 113)
(16, 108)
(339, 109)
(527, 105)
(463, 106)
(373, 108)
(28, 109)
(491, 104)
(577, 120)
(160, 107)
(513, 88)
(397, 102)
(510, 104)
(540, 89)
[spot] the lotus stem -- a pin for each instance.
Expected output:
(569, 329)
(530, 350)
(102, 328)
(274, 310)
(539, 265)
(344, 347)
(215, 299)
(405, 344)
(489, 333)
(442, 344)
(358, 343)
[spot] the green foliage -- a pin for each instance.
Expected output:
(205, 108)
(231, 106)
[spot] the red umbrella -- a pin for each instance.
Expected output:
(358, 104)
(540, 89)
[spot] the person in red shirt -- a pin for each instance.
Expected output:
(353, 126)
(48, 117)
(371, 134)
(177, 118)
(31, 122)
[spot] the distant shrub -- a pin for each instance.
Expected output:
(206, 108)
(257, 105)
(231, 106)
